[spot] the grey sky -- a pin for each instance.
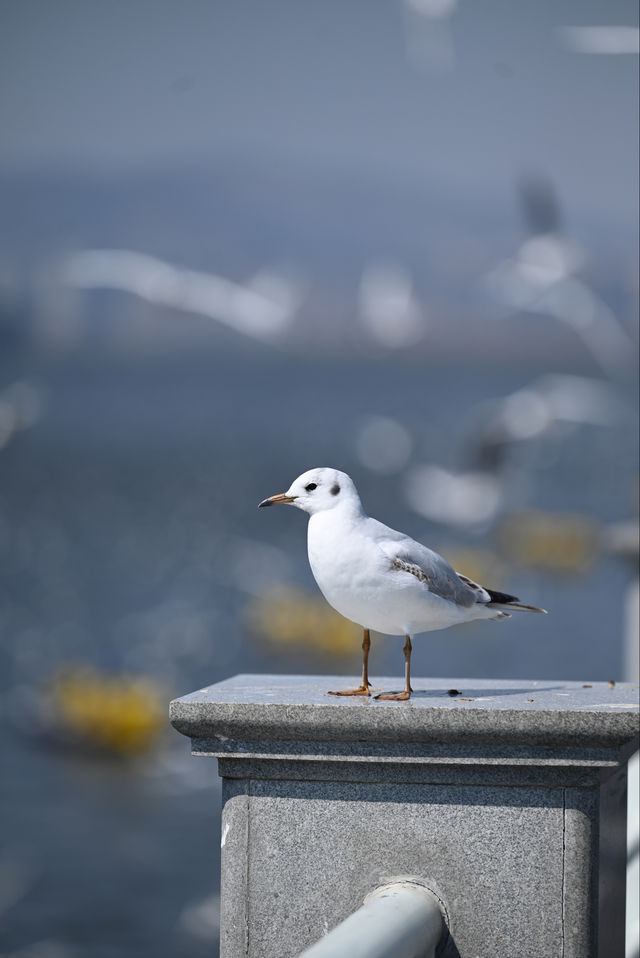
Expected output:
(124, 83)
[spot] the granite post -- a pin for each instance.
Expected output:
(497, 798)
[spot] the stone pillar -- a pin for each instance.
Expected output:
(496, 798)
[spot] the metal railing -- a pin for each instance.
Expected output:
(402, 919)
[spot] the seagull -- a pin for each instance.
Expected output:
(379, 578)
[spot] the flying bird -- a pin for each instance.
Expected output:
(379, 578)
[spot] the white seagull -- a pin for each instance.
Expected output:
(380, 578)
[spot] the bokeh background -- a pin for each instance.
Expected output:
(239, 240)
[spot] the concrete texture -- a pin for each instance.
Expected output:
(346, 839)
(297, 708)
(495, 803)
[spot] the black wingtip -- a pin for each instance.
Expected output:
(502, 598)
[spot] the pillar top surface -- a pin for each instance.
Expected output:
(485, 711)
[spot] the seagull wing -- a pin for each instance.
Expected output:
(499, 600)
(427, 566)
(437, 576)
(482, 595)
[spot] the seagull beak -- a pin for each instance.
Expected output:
(276, 500)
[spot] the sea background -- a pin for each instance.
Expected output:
(132, 541)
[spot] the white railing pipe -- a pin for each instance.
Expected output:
(402, 919)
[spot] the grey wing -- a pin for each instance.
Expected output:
(481, 594)
(429, 567)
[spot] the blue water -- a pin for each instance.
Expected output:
(129, 526)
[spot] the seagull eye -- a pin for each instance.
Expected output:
(311, 487)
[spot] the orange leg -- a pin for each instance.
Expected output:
(402, 696)
(363, 688)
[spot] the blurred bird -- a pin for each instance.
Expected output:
(500, 450)
(379, 578)
(544, 277)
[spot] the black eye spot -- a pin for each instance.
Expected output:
(335, 489)
(311, 487)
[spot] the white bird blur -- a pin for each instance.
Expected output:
(380, 578)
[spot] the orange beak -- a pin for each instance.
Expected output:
(276, 500)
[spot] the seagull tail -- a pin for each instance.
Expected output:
(510, 603)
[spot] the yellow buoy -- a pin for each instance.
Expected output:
(290, 616)
(120, 714)
(558, 542)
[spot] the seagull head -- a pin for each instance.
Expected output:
(317, 490)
